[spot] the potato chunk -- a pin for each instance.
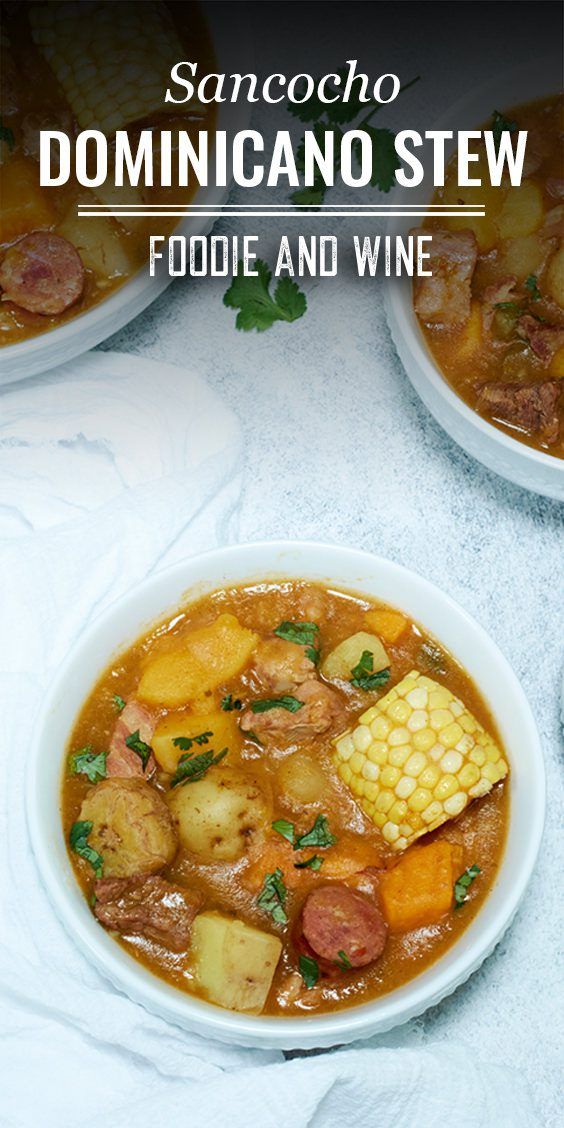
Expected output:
(205, 658)
(26, 206)
(555, 277)
(223, 728)
(99, 242)
(219, 816)
(522, 211)
(302, 779)
(420, 889)
(233, 963)
(342, 660)
(131, 827)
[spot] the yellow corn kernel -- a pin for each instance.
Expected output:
(424, 740)
(397, 812)
(399, 711)
(469, 775)
(430, 776)
(420, 799)
(446, 787)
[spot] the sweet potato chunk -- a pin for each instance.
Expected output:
(389, 625)
(419, 890)
(223, 728)
(205, 658)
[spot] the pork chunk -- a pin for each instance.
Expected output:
(321, 708)
(444, 299)
(147, 906)
(281, 665)
(545, 340)
(123, 761)
(533, 407)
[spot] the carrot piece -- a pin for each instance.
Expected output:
(418, 891)
(350, 855)
(389, 625)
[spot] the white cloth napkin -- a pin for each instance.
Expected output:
(111, 468)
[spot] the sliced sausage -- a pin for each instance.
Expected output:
(123, 761)
(42, 273)
(337, 922)
(147, 906)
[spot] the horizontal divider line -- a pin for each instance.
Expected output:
(288, 214)
(354, 207)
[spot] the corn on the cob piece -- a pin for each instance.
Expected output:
(112, 60)
(416, 759)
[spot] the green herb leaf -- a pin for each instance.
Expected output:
(258, 309)
(501, 124)
(343, 961)
(7, 136)
(532, 287)
(285, 828)
(286, 702)
(191, 768)
(304, 634)
(462, 885)
(119, 703)
(78, 839)
(513, 307)
(272, 897)
(314, 863)
(384, 157)
(309, 970)
(251, 735)
(362, 675)
(186, 742)
(138, 746)
(89, 763)
(229, 703)
(319, 835)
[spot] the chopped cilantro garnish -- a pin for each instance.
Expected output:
(309, 970)
(362, 675)
(304, 634)
(185, 742)
(532, 287)
(314, 863)
(501, 124)
(78, 839)
(258, 308)
(285, 828)
(343, 961)
(191, 768)
(286, 702)
(319, 835)
(272, 897)
(7, 136)
(229, 703)
(462, 885)
(89, 763)
(119, 703)
(138, 746)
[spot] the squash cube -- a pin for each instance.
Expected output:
(222, 726)
(389, 625)
(204, 659)
(419, 890)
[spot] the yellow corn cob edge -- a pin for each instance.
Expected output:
(416, 759)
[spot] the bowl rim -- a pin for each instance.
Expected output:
(399, 296)
(375, 1016)
(140, 290)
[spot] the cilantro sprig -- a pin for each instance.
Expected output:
(192, 767)
(329, 119)
(258, 308)
(531, 285)
(229, 703)
(119, 702)
(319, 835)
(185, 743)
(139, 746)
(78, 840)
(272, 897)
(462, 885)
(363, 676)
(501, 124)
(291, 704)
(304, 634)
(309, 970)
(89, 763)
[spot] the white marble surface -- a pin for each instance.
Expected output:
(338, 447)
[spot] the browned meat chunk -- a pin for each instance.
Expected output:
(444, 299)
(321, 708)
(123, 761)
(553, 223)
(493, 296)
(555, 187)
(343, 926)
(147, 906)
(42, 273)
(532, 407)
(545, 340)
(281, 665)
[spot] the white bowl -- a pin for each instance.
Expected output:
(123, 622)
(514, 460)
(83, 332)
